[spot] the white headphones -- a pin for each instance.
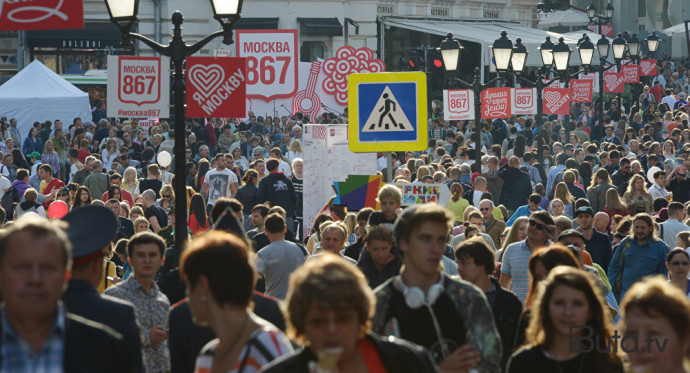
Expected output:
(415, 297)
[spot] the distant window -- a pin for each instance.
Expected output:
(311, 50)
(384, 9)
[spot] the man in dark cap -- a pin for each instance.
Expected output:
(598, 245)
(90, 231)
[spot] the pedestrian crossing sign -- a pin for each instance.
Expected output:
(387, 112)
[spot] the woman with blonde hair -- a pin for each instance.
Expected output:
(109, 154)
(518, 232)
(421, 172)
(556, 207)
(50, 156)
(167, 200)
(457, 204)
(655, 311)
(669, 150)
(294, 151)
(350, 222)
(567, 297)
(637, 199)
(614, 205)
(129, 180)
(561, 192)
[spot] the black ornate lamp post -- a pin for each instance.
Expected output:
(597, 19)
(503, 53)
(620, 47)
(124, 14)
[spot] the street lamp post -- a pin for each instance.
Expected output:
(619, 47)
(512, 59)
(600, 19)
(450, 52)
(124, 14)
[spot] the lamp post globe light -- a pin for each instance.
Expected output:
(123, 13)
(546, 50)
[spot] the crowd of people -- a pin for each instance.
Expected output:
(566, 249)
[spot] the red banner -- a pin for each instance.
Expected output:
(613, 82)
(648, 68)
(216, 87)
(581, 90)
(41, 15)
(556, 101)
(496, 103)
(606, 30)
(631, 73)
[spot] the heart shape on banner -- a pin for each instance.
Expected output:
(647, 66)
(206, 78)
(552, 98)
(611, 81)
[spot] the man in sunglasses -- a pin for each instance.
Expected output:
(621, 177)
(492, 226)
(516, 256)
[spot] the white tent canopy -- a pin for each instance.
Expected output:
(486, 33)
(677, 29)
(37, 94)
(570, 17)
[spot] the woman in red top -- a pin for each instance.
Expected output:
(198, 222)
(614, 205)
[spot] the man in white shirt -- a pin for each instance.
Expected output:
(669, 229)
(479, 189)
(659, 188)
(219, 182)
(284, 167)
(5, 185)
(669, 99)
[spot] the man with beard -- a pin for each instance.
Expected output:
(637, 257)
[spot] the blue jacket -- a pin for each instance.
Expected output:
(31, 146)
(638, 262)
(521, 211)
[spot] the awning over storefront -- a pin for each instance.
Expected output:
(485, 33)
(320, 26)
(92, 36)
(257, 24)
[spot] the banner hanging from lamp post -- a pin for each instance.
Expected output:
(631, 73)
(581, 90)
(496, 103)
(614, 82)
(216, 87)
(523, 101)
(458, 104)
(648, 68)
(556, 101)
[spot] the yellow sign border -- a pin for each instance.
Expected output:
(353, 81)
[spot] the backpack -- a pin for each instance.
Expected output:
(7, 202)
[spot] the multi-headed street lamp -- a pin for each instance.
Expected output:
(124, 14)
(509, 59)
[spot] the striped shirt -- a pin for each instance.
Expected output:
(18, 356)
(515, 263)
(265, 345)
